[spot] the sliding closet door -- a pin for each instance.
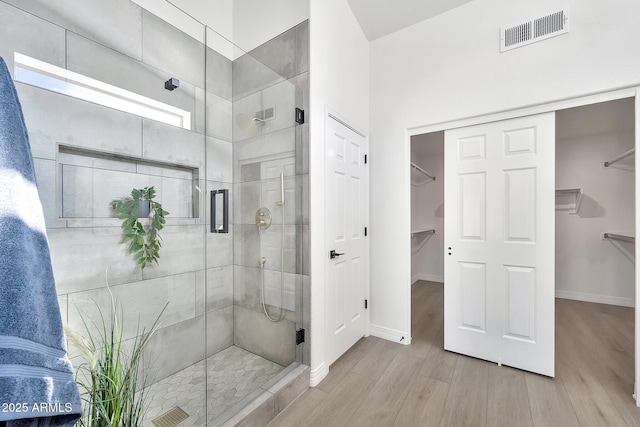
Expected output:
(499, 242)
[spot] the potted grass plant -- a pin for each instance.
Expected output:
(110, 378)
(143, 239)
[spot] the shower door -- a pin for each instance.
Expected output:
(255, 268)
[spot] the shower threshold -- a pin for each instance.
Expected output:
(234, 378)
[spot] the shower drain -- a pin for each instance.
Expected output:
(171, 418)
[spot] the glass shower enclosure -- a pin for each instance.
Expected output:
(224, 154)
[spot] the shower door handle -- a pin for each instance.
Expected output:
(224, 227)
(333, 254)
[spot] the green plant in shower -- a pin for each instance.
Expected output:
(113, 387)
(144, 242)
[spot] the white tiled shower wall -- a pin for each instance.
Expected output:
(122, 44)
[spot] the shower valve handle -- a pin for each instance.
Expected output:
(333, 254)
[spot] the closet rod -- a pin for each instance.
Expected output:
(419, 169)
(414, 233)
(620, 157)
(622, 237)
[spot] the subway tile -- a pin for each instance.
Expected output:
(274, 341)
(219, 329)
(169, 49)
(119, 26)
(27, 34)
(219, 160)
(52, 118)
(219, 79)
(96, 61)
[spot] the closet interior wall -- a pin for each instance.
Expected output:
(427, 209)
(589, 267)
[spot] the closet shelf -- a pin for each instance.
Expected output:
(619, 236)
(420, 176)
(420, 231)
(569, 199)
(620, 157)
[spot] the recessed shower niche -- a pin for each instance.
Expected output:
(89, 180)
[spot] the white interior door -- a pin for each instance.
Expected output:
(346, 211)
(500, 242)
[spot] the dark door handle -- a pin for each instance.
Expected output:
(333, 254)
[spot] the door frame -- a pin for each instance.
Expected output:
(578, 101)
(332, 114)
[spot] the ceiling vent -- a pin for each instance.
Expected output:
(534, 30)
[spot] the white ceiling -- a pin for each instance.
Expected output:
(381, 17)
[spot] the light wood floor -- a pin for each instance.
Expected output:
(379, 383)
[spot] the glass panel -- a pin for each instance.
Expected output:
(254, 274)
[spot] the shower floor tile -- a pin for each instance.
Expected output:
(232, 375)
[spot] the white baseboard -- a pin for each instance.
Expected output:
(427, 277)
(316, 375)
(390, 334)
(601, 299)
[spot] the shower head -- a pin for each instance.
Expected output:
(249, 125)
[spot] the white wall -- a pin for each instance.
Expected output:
(427, 212)
(339, 79)
(255, 22)
(449, 67)
(589, 268)
(238, 25)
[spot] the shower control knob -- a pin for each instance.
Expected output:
(333, 254)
